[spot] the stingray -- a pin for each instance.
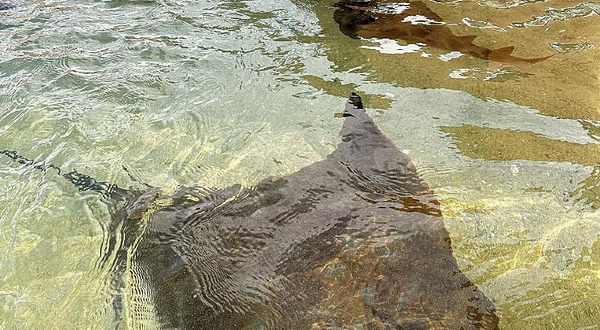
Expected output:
(414, 23)
(355, 241)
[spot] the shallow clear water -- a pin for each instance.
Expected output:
(214, 93)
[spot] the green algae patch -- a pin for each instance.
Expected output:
(336, 88)
(504, 144)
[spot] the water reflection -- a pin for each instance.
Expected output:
(585, 9)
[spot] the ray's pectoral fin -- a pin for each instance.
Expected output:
(189, 204)
(356, 239)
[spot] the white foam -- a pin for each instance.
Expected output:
(450, 56)
(420, 20)
(459, 74)
(389, 46)
(392, 8)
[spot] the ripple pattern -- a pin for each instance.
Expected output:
(180, 94)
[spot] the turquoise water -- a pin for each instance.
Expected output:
(214, 93)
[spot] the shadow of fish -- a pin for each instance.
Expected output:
(413, 23)
(354, 241)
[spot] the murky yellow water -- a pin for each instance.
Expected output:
(218, 93)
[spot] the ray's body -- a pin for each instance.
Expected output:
(354, 240)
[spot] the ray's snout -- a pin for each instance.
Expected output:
(356, 100)
(354, 104)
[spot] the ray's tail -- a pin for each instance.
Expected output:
(7, 5)
(120, 233)
(82, 181)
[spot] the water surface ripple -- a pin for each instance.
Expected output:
(175, 93)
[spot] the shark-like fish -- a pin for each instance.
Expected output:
(354, 241)
(414, 23)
